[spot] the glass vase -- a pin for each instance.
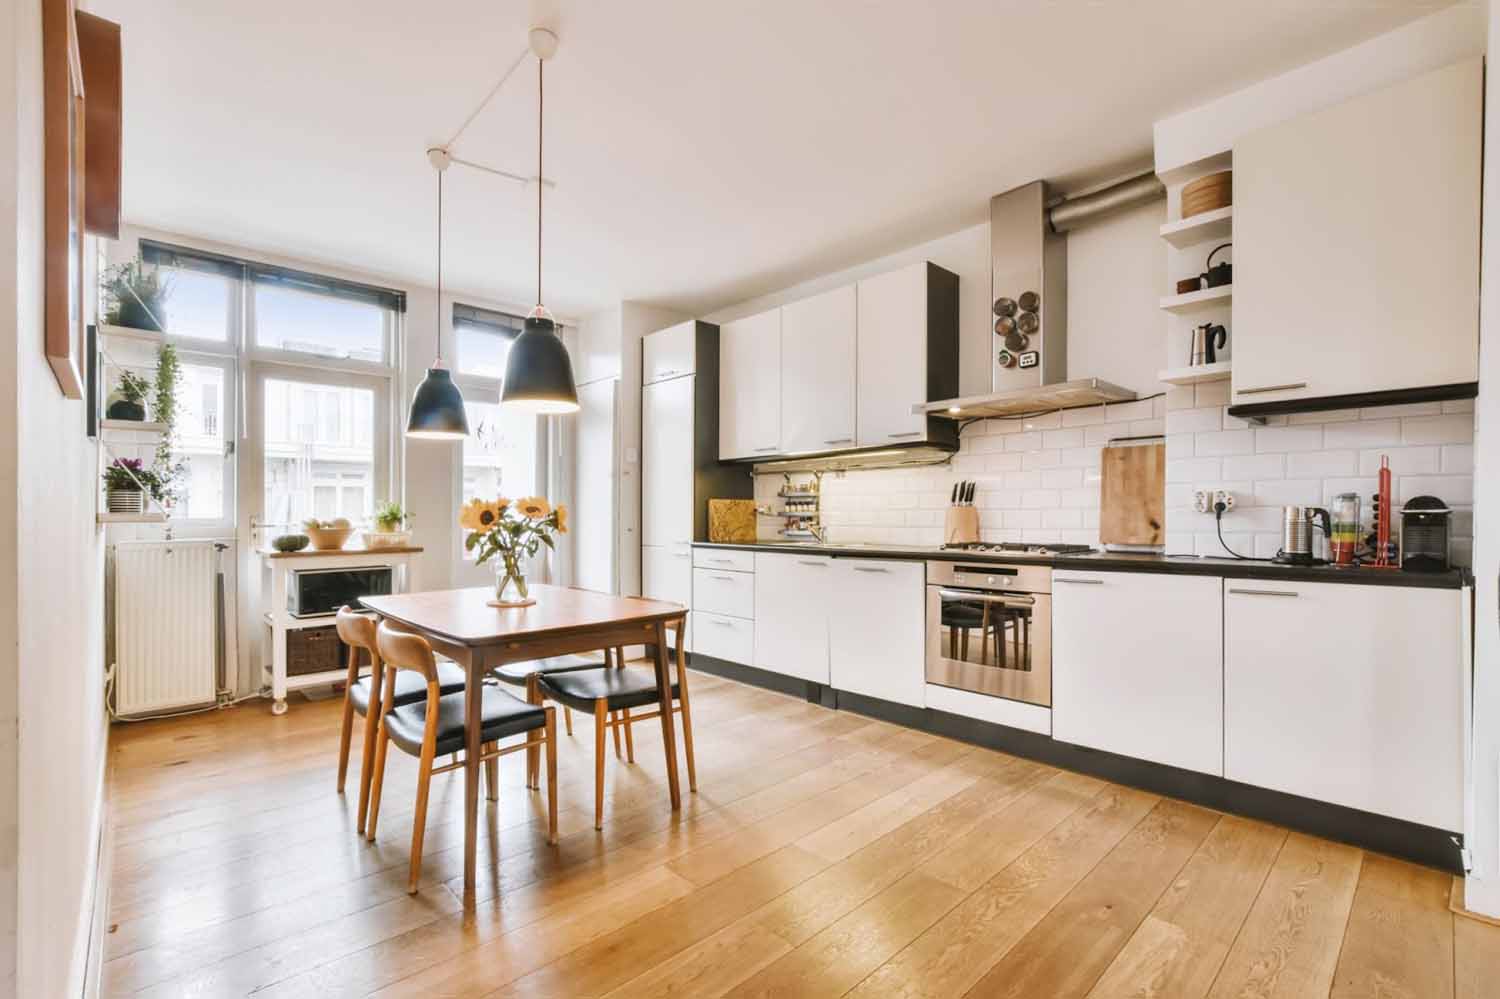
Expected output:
(510, 584)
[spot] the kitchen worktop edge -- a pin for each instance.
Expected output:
(1187, 565)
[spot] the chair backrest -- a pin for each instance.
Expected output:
(404, 650)
(358, 632)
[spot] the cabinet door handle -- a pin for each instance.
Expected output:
(722, 623)
(807, 562)
(1069, 579)
(773, 447)
(722, 561)
(841, 440)
(909, 433)
(1270, 388)
(1266, 593)
(681, 555)
(727, 579)
(869, 568)
(667, 372)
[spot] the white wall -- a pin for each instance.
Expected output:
(52, 750)
(1482, 888)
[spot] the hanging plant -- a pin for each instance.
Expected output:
(135, 295)
(164, 405)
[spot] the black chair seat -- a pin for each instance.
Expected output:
(410, 686)
(962, 616)
(624, 688)
(501, 714)
(515, 674)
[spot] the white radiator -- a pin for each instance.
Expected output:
(166, 625)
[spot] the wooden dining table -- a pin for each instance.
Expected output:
(461, 625)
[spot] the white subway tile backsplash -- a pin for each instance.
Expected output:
(1327, 416)
(1212, 394)
(1366, 433)
(1288, 492)
(1289, 438)
(1041, 459)
(1252, 466)
(1180, 397)
(1317, 464)
(1125, 412)
(1082, 497)
(1404, 460)
(1047, 421)
(1009, 462)
(1452, 489)
(1022, 518)
(1030, 441)
(1035, 499)
(1192, 469)
(1062, 478)
(1193, 421)
(1156, 426)
(1095, 436)
(1058, 439)
(1224, 442)
(1459, 406)
(1085, 416)
(1023, 480)
(1458, 458)
(1406, 409)
(1062, 518)
(1079, 457)
(1455, 428)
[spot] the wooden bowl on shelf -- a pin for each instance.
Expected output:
(328, 539)
(1208, 193)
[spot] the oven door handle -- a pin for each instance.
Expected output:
(1004, 600)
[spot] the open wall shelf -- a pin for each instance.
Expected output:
(1211, 225)
(1193, 374)
(1196, 301)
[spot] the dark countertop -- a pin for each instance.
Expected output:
(1188, 565)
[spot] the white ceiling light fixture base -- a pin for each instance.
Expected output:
(543, 42)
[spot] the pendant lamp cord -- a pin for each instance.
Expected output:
(539, 64)
(439, 327)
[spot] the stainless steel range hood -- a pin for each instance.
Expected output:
(1028, 354)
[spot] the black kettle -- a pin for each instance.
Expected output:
(1218, 274)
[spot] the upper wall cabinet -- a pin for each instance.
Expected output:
(908, 353)
(817, 373)
(750, 386)
(668, 353)
(1356, 244)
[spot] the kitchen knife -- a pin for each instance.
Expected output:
(953, 500)
(972, 486)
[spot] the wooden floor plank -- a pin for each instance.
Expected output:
(1067, 951)
(1288, 946)
(1476, 958)
(956, 952)
(1399, 941)
(1180, 947)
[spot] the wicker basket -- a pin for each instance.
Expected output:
(385, 539)
(1208, 193)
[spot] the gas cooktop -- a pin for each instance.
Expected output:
(1035, 550)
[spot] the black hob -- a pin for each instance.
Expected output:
(1039, 550)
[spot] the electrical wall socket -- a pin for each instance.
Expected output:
(1225, 497)
(1203, 501)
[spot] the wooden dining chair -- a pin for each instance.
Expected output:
(435, 727)
(358, 633)
(609, 693)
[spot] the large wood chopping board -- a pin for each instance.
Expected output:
(1132, 494)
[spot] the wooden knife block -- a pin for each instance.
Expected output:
(961, 525)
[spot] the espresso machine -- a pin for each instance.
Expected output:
(1297, 523)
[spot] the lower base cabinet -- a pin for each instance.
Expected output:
(1346, 693)
(791, 614)
(667, 574)
(875, 630)
(1137, 666)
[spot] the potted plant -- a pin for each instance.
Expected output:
(167, 467)
(135, 296)
(390, 517)
(126, 482)
(511, 532)
(131, 401)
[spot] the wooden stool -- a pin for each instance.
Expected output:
(604, 691)
(358, 632)
(435, 727)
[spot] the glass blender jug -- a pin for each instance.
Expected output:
(1345, 535)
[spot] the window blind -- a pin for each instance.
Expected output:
(487, 321)
(165, 254)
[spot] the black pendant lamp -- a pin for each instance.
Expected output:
(437, 408)
(538, 370)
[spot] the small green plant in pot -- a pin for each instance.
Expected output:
(131, 404)
(126, 483)
(135, 295)
(390, 517)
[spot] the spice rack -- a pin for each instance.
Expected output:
(800, 508)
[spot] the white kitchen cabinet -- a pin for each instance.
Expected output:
(1356, 269)
(817, 372)
(1347, 693)
(667, 574)
(724, 592)
(892, 368)
(667, 461)
(1137, 666)
(792, 593)
(731, 639)
(876, 629)
(750, 386)
(669, 353)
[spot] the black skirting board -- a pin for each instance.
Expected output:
(1421, 844)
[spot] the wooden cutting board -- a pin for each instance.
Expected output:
(731, 521)
(1132, 494)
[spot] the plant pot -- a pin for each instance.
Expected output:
(125, 501)
(124, 409)
(135, 315)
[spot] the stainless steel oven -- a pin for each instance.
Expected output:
(989, 629)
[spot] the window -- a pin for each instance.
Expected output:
(482, 340)
(500, 451)
(204, 292)
(310, 323)
(319, 453)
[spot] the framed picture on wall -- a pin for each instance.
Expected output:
(63, 128)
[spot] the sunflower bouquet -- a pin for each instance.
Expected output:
(511, 531)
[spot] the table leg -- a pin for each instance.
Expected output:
(668, 727)
(473, 690)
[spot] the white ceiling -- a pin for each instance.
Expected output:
(705, 151)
